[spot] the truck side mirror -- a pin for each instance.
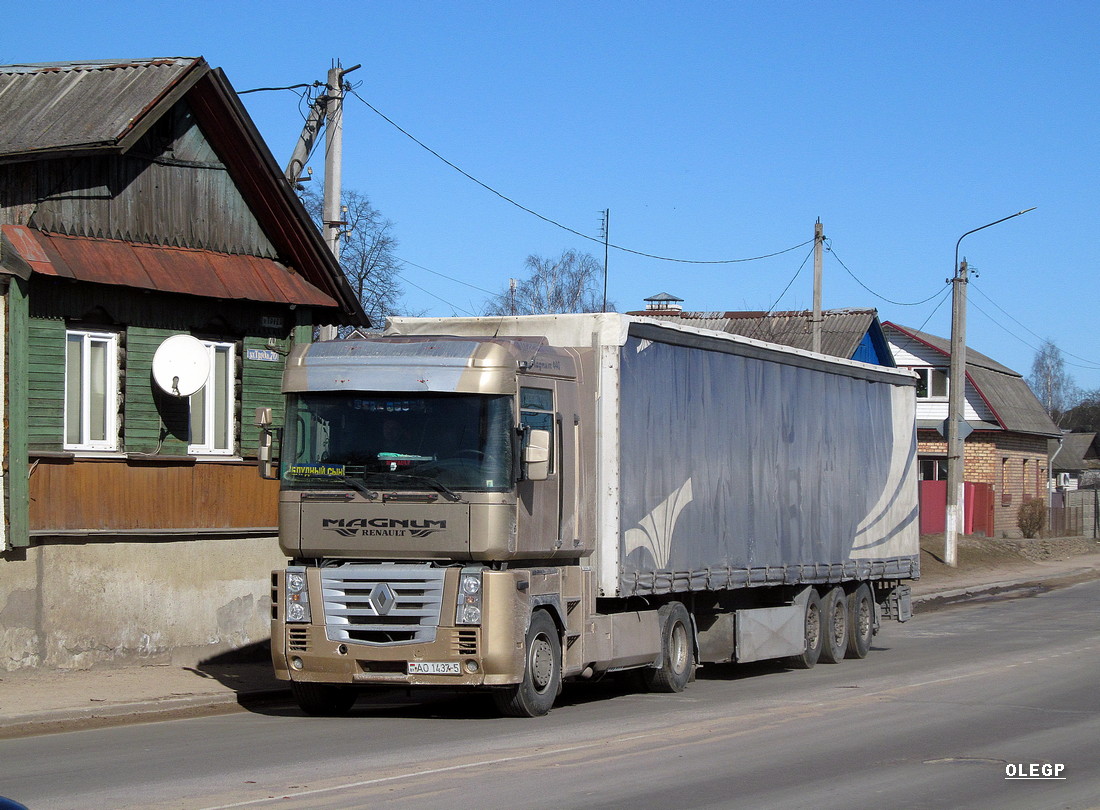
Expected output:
(536, 455)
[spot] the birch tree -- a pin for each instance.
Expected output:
(573, 282)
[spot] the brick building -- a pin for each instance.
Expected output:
(1005, 459)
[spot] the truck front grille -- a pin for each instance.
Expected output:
(465, 642)
(297, 639)
(382, 604)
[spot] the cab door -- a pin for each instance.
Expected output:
(540, 503)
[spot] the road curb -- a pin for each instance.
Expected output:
(1006, 588)
(51, 721)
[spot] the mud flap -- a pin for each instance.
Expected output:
(899, 603)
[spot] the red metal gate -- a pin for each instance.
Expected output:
(977, 507)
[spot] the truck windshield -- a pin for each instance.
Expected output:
(432, 442)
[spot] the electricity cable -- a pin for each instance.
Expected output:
(760, 324)
(553, 222)
(829, 247)
(433, 295)
(943, 297)
(444, 275)
(1025, 328)
(972, 303)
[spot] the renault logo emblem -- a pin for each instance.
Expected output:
(382, 599)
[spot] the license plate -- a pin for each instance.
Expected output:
(433, 668)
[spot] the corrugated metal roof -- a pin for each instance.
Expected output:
(76, 106)
(842, 330)
(1004, 390)
(167, 269)
(1080, 451)
(1012, 401)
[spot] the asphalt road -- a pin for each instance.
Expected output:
(942, 711)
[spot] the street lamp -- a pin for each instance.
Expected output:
(956, 397)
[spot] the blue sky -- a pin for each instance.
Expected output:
(712, 131)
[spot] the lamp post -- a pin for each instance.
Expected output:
(956, 398)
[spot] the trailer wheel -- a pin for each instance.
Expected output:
(536, 693)
(814, 635)
(861, 622)
(834, 614)
(677, 651)
(323, 699)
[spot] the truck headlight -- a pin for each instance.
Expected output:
(469, 597)
(296, 596)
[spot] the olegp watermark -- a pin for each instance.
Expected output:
(1035, 770)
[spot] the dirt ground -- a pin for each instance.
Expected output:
(990, 554)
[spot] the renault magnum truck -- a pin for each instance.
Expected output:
(505, 504)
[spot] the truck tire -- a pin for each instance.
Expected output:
(861, 622)
(834, 626)
(814, 635)
(677, 651)
(535, 694)
(323, 699)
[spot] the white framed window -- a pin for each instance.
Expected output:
(931, 383)
(91, 390)
(214, 405)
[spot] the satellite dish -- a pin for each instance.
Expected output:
(181, 365)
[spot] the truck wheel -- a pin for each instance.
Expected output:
(323, 699)
(814, 635)
(861, 622)
(536, 693)
(677, 651)
(834, 614)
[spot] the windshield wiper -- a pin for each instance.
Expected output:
(435, 484)
(369, 493)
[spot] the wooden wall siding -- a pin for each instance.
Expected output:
(151, 415)
(261, 388)
(17, 193)
(15, 391)
(61, 298)
(114, 494)
(45, 384)
(152, 421)
(170, 189)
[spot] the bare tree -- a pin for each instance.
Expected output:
(1084, 416)
(573, 282)
(1049, 381)
(366, 252)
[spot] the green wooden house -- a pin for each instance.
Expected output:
(139, 204)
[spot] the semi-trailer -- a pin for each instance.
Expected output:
(508, 503)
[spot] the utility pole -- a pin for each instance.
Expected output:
(815, 323)
(331, 216)
(327, 110)
(606, 241)
(957, 430)
(956, 399)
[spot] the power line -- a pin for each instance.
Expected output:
(829, 246)
(444, 275)
(554, 222)
(943, 297)
(1033, 348)
(759, 327)
(1025, 328)
(789, 283)
(433, 295)
(288, 87)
